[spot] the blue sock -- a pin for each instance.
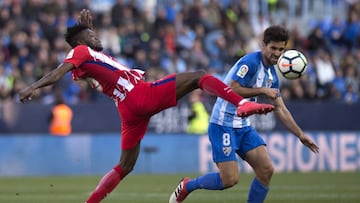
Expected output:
(209, 181)
(257, 192)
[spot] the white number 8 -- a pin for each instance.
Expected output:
(226, 139)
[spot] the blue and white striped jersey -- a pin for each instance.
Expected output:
(249, 71)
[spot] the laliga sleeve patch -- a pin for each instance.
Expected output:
(70, 54)
(242, 71)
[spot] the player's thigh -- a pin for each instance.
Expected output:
(132, 131)
(187, 82)
(248, 139)
(258, 158)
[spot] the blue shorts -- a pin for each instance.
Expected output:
(226, 142)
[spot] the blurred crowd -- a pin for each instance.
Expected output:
(177, 36)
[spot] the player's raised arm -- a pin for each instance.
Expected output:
(85, 18)
(48, 79)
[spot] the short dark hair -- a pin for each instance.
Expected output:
(72, 32)
(275, 33)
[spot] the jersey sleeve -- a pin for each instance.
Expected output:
(244, 72)
(77, 55)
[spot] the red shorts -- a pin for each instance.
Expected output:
(144, 101)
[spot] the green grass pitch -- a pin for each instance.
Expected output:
(286, 187)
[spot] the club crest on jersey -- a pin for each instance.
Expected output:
(227, 151)
(269, 83)
(242, 71)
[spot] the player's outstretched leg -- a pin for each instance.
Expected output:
(214, 86)
(249, 108)
(180, 192)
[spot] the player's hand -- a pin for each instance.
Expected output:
(309, 143)
(85, 18)
(272, 93)
(26, 94)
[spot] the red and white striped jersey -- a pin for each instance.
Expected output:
(103, 72)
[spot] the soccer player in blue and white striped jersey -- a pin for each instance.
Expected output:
(253, 76)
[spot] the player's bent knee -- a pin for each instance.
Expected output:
(264, 174)
(127, 168)
(199, 74)
(230, 181)
(269, 171)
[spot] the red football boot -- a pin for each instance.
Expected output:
(250, 108)
(180, 192)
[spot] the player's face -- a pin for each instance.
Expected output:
(91, 40)
(272, 51)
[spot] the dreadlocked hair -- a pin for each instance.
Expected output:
(71, 33)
